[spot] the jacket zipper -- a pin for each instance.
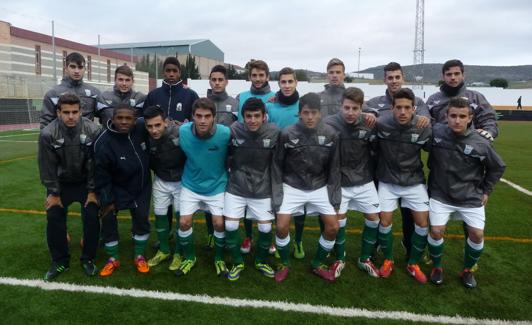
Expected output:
(138, 157)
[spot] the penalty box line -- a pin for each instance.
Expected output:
(252, 303)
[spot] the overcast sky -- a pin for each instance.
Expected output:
(300, 34)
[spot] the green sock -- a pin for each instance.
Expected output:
(284, 254)
(219, 246)
(178, 249)
(471, 255)
(386, 243)
(161, 225)
(263, 244)
(112, 251)
(299, 222)
(232, 240)
(339, 246)
(321, 254)
(140, 245)
(187, 246)
(369, 238)
(208, 223)
(418, 246)
(436, 254)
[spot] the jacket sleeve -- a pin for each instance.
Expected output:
(103, 174)
(422, 109)
(334, 180)
(494, 168)
(48, 110)
(485, 116)
(48, 165)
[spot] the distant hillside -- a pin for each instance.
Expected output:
(474, 73)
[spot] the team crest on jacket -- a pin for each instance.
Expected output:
(143, 145)
(266, 143)
(415, 136)
(82, 138)
(468, 149)
(132, 102)
(88, 92)
(175, 142)
(321, 140)
(362, 134)
(228, 108)
(179, 107)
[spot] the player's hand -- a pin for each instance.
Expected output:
(52, 200)
(422, 122)
(107, 209)
(369, 120)
(272, 99)
(91, 198)
(178, 123)
(484, 199)
(485, 134)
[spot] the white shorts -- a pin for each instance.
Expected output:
(440, 213)
(413, 197)
(363, 198)
(165, 194)
(257, 209)
(192, 202)
(294, 200)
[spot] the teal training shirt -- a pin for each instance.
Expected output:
(248, 94)
(283, 115)
(205, 172)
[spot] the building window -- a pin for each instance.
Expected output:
(38, 59)
(108, 71)
(89, 67)
(64, 62)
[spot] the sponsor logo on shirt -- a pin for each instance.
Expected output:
(214, 148)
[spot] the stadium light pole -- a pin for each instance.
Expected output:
(358, 69)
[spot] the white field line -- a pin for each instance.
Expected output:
(17, 135)
(251, 303)
(517, 187)
(20, 141)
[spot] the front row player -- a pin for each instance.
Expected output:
(358, 189)
(464, 168)
(204, 179)
(253, 176)
(308, 159)
(123, 181)
(167, 161)
(66, 165)
(400, 175)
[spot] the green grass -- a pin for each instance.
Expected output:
(503, 288)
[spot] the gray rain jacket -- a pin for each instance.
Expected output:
(462, 167)
(331, 100)
(108, 100)
(87, 93)
(167, 160)
(66, 154)
(382, 105)
(309, 159)
(399, 160)
(226, 107)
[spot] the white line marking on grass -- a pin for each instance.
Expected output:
(252, 303)
(517, 187)
(20, 141)
(17, 135)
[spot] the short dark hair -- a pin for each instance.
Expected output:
(452, 63)
(287, 70)
(172, 60)
(354, 94)
(253, 104)
(219, 68)
(204, 103)
(76, 58)
(68, 99)
(459, 102)
(404, 93)
(311, 100)
(392, 66)
(259, 65)
(125, 70)
(153, 111)
(335, 61)
(124, 106)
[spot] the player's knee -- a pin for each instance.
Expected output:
(437, 233)
(231, 225)
(476, 236)
(185, 223)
